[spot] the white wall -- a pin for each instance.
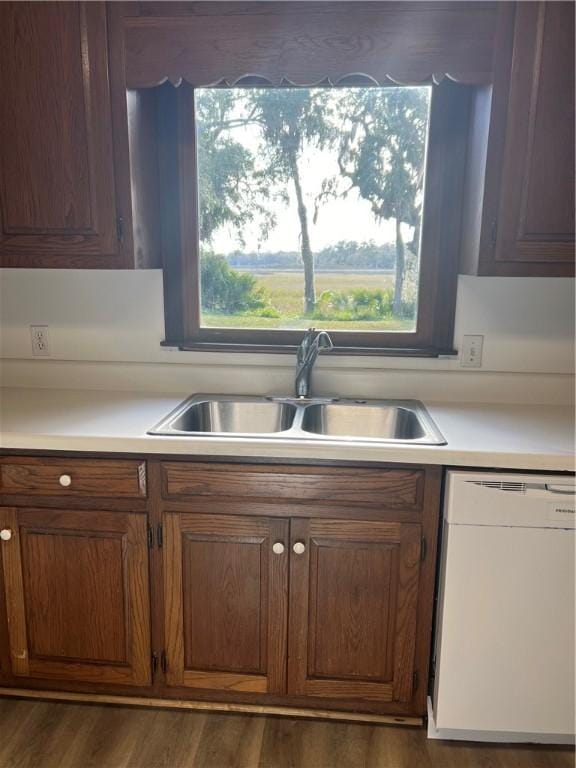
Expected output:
(116, 317)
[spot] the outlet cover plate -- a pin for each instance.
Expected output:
(471, 354)
(40, 341)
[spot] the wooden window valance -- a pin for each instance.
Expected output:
(305, 43)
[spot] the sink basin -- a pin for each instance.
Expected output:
(325, 419)
(231, 417)
(363, 421)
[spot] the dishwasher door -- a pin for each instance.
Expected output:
(504, 656)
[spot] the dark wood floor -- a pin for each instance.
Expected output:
(35, 734)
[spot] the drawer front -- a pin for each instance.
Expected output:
(73, 477)
(397, 488)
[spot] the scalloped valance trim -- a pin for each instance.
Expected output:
(350, 80)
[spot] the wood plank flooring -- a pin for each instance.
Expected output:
(37, 734)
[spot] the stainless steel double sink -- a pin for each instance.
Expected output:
(374, 421)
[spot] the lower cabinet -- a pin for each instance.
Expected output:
(77, 598)
(225, 602)
(301, 586)
(345, 630)
(353, 606)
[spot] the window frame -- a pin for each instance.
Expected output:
(439, 251)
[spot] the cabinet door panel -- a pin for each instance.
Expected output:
(231, 605)
(536, 219)
(353, 603)
(57, 185)
(342, 579)
(225, 596)
(77, 595)
(52, 623)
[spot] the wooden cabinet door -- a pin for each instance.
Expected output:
(4, 644)
(353, 607)
(77, 600)
(225, 602)
(57, 184)
(535, 224)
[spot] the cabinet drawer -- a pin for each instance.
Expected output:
(72, 477)
(399, 488)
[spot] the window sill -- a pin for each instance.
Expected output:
(288, 349)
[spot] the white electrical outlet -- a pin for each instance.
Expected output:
(40, 342)
(471, 354)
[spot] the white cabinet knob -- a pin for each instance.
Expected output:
(299, 548)
(278, 548)
(5, 534)
(65, 480)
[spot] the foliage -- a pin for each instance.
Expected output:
(233, 190)
(283, 291)
(269, 311)
(357, 304)
(352, 255)
(382, 153)
(223, 289)
(349, 255)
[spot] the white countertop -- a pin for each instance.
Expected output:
(532, 437)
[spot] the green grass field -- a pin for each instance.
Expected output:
(285, 291)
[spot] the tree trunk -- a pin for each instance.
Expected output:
(305, 248)
(414, 245)
(399, 280)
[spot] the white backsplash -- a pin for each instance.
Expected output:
(106, 328)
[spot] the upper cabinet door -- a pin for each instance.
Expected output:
(57, 187)
(353, 609)
(77, 596)
(225, 602)
(536, 216)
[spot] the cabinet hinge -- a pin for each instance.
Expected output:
(423, 549)
(160, 535)
(120, 229)
(163, 662)
(154, 663)
(493, 232)
(150, 537)
(415, 681)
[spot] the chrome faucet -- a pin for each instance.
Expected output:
(312, 343)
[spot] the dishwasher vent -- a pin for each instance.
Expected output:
(500, 485)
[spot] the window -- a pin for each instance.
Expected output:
(310, 206)
(333, 206)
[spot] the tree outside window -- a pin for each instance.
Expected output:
(310, 206)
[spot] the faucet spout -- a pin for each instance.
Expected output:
(314, 341)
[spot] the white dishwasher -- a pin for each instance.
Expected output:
(504, 643)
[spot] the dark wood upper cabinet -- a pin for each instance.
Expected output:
(64, 167)
(77, 602)
(520, 196)
(80, 165)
